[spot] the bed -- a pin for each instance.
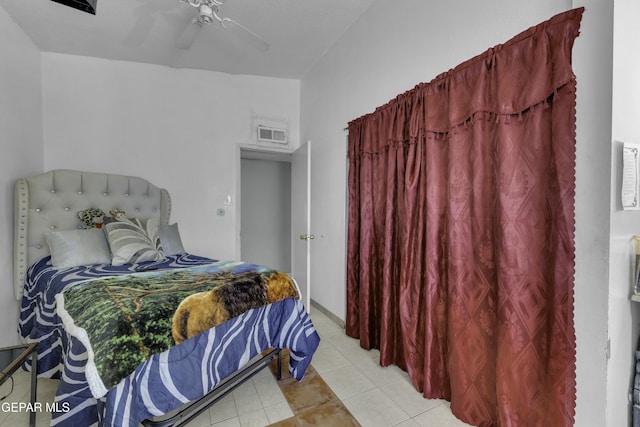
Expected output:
(134, 326)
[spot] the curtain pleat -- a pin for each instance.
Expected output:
(460, 242)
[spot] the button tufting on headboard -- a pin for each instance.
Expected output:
(52, 200)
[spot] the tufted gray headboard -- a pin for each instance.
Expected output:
(51, 201)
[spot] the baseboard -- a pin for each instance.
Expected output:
(327, 313)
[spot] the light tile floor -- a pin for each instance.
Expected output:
(375, 396)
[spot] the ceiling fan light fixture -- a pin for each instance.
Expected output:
(198, 3)
(206, 14)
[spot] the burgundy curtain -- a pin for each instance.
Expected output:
(461, 232)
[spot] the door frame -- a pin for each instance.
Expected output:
(267, 153)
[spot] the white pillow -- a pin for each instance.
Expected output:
(71, 248)
(170, 239)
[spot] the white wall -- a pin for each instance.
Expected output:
(177, 128)
(394, 46)
(624, 316)
(20, 148)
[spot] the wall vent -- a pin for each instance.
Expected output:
(272, 135)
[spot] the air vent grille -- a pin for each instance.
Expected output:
(272, 135)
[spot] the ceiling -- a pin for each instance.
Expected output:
(298, 32)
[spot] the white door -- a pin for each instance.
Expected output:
(301, 236)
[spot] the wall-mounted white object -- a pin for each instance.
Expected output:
(630, 176)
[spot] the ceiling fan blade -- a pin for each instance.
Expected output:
(245, 33)
(189, 34)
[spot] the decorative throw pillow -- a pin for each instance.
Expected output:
(71, 248)
(134, 240)
(170, 239)
(91, 218)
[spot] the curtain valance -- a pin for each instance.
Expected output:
(500, 84)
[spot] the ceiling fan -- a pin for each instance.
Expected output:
(209, 11)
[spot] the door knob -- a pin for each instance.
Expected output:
(307, 237)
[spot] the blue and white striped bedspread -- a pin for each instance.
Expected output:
(167, 380)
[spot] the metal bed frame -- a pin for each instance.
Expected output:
(192, 410)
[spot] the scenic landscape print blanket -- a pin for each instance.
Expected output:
(123, 320)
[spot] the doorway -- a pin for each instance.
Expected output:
(265, 216)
